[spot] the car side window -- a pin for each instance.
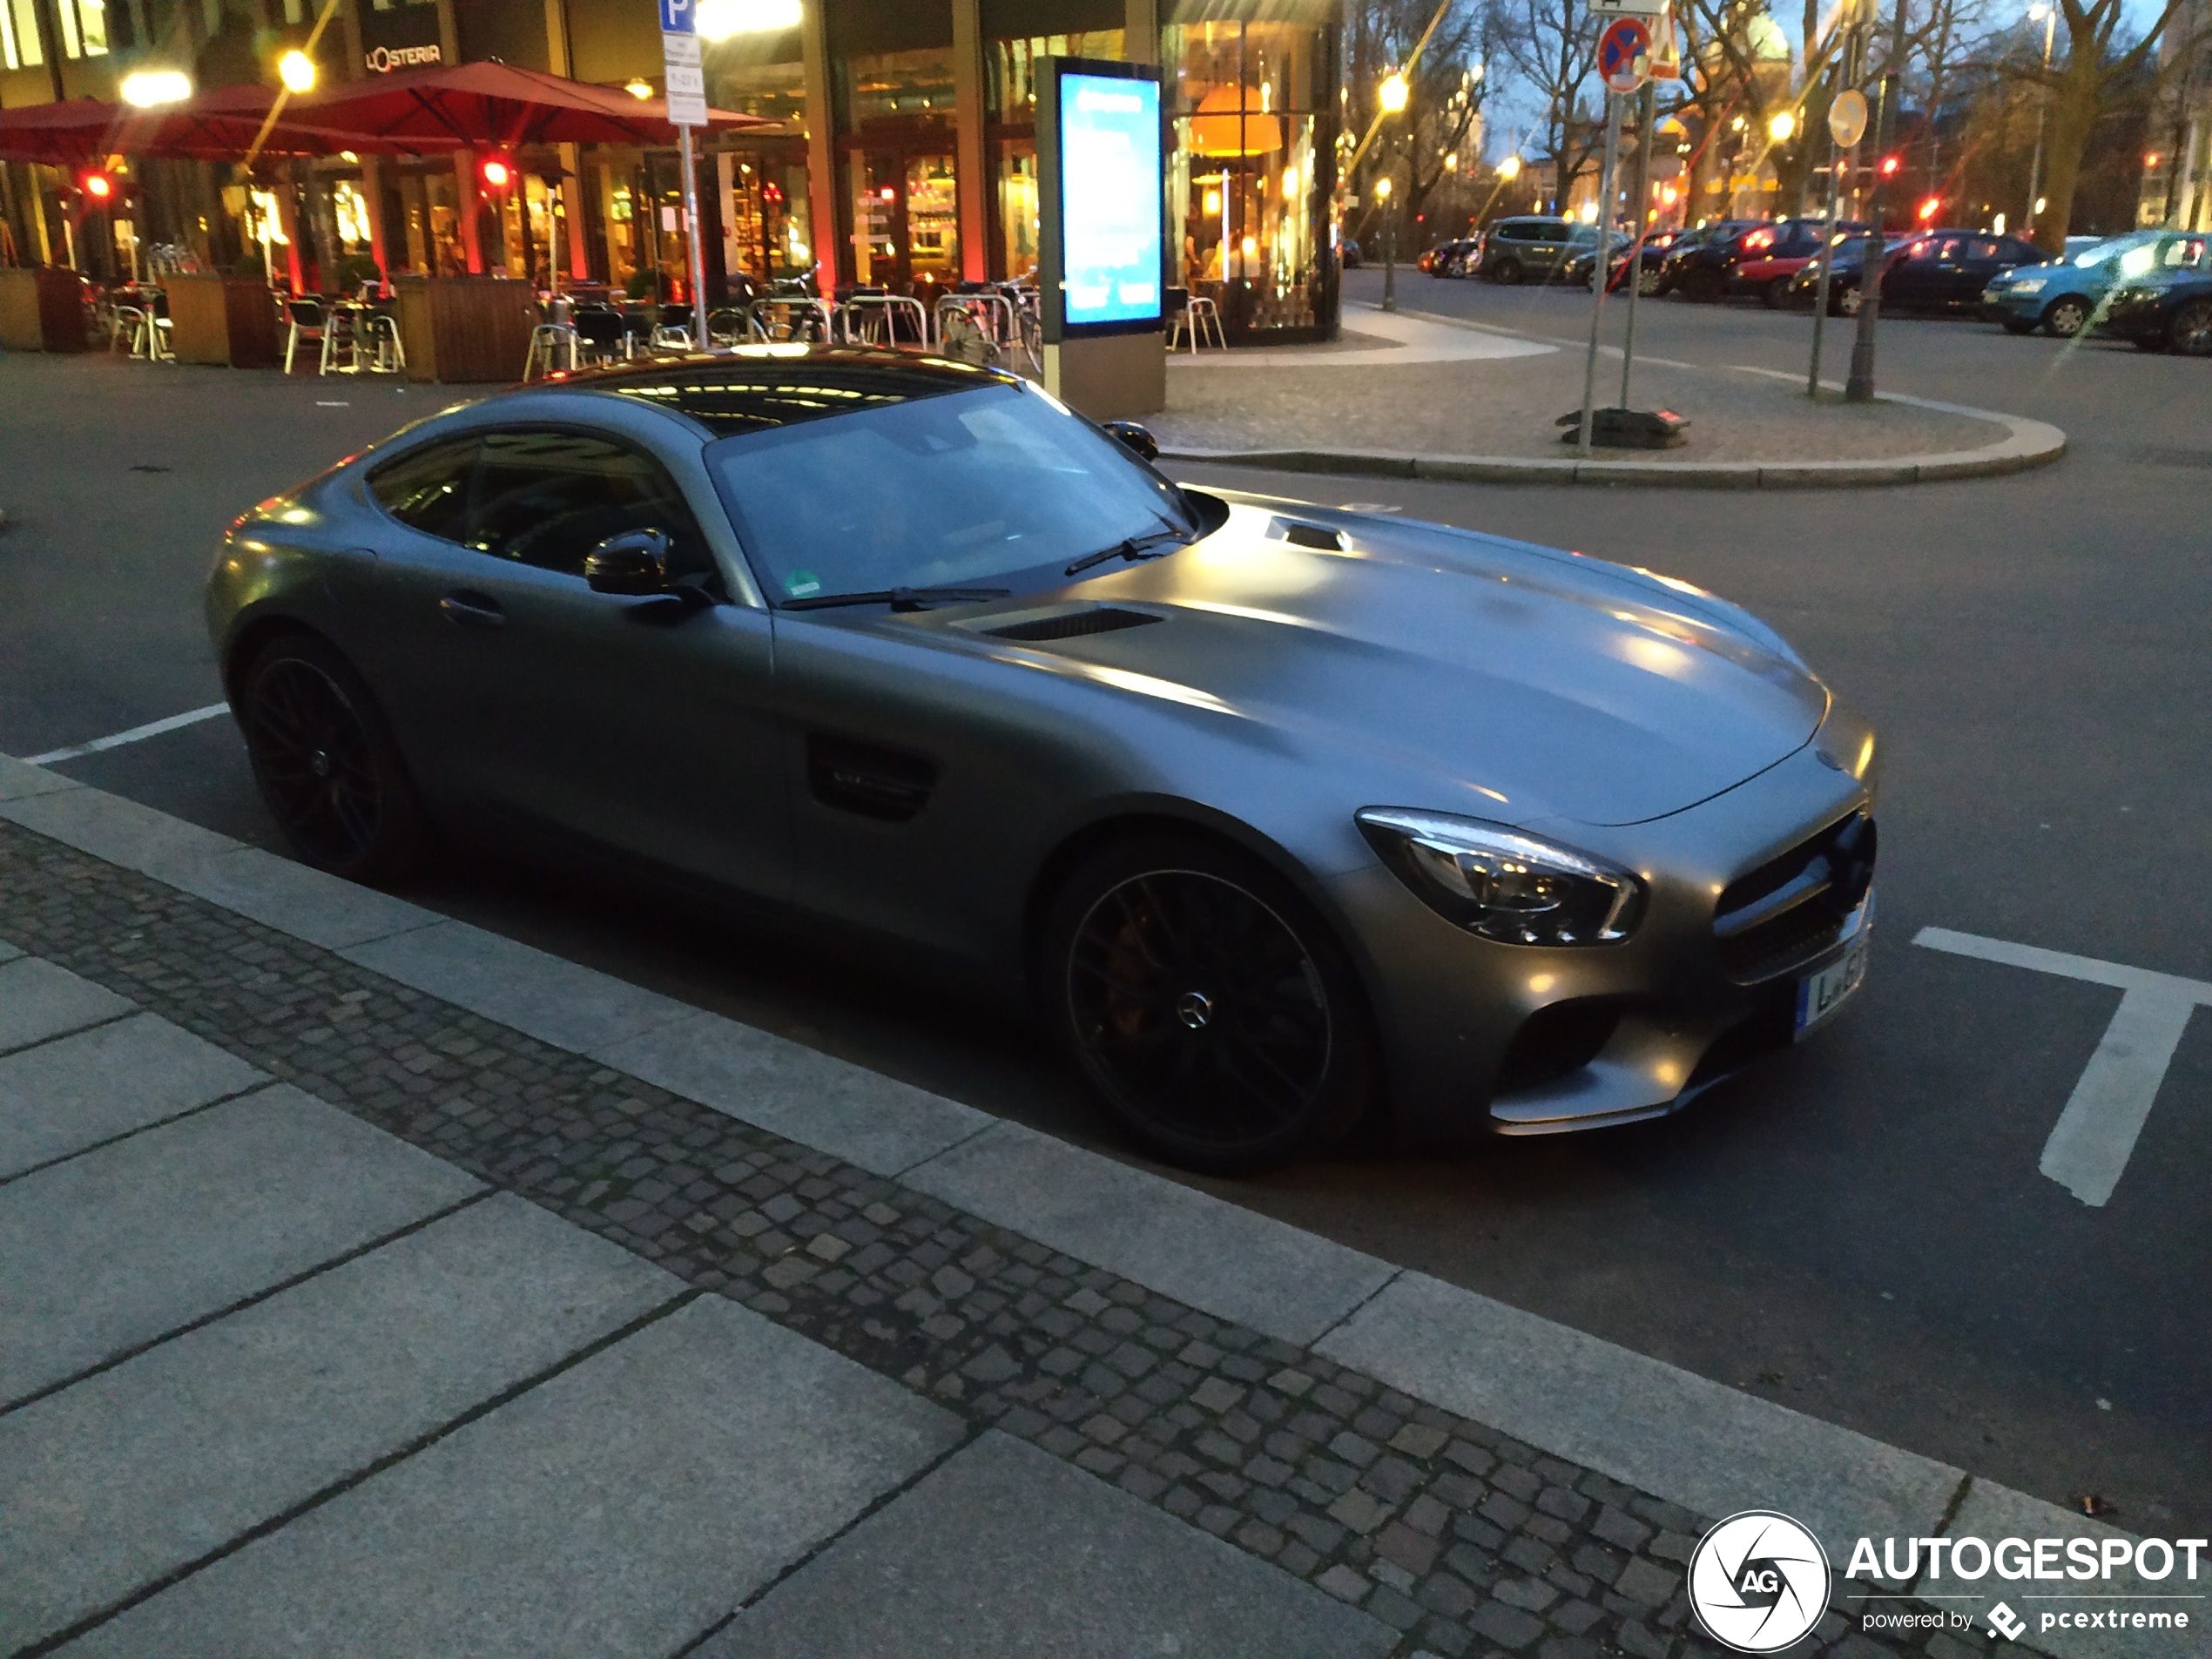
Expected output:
(546, 496)
(428, 489)
(1984, 249)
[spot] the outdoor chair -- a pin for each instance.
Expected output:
(388, 354)
(341, 334)
(306, 322)
(553, 346)
(1195, 316)
(124, 323)
(673, 329)
(601, 335)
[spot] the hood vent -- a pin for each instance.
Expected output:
(1071, 624)
(1318, 537)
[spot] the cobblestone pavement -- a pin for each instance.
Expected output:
(1463, 1540)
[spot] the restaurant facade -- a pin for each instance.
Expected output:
(895, 148)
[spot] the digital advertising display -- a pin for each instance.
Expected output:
(1107, 178)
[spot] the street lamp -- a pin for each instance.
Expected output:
(1510, 169)
(2047, 15)
(1393, 94)
(1390, 244)
(1781, 127)
(297, 71)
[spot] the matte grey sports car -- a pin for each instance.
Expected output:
(1282, 816)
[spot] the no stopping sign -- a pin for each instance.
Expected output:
(1624, 55)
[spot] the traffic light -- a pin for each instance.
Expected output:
(1890, 164)
(1930, 208)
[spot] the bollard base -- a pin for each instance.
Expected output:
(1628, 429)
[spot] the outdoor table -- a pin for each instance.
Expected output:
(223, 320)
(459, 330)
(42, 309)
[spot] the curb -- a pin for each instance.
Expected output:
(1709, 1447)
(2027, 444)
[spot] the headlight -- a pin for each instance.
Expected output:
(2028, 285)
(1502, 884)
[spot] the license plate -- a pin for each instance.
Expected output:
(1820, 994)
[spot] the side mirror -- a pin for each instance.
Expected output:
(1135, 437)
(634, 563)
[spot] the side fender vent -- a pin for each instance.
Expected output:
(1318, 537)
(887, 785)
(1072, 624)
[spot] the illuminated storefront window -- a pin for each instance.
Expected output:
(1010, 68)
(898, 144)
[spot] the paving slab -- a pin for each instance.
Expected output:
(877, 1122)
(293, 899)
(39, 1001)
(621, 1508)
(135, 1472)
(76, 1091)
(1215, 1256)
(8, 952)
(1696, 1443)
(118, 830)
(106, 1252)
(556, 1001)
(1005, 1552)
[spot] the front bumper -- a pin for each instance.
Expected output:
(2002, 305)
(1492, 1039)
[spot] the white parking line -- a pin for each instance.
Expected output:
(174, 723)
(2090, 1144)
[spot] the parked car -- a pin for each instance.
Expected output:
(1530, 249)
(906, 653)
(1649, 266)
(1696, 267)
(1350, 251)
(2060, 296)
(1769, 258)
(1448, 259)
(2167, 310)
(1929, 270)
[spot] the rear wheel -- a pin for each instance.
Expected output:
(327, 765)
(1776, 293)
(1845, 303)
(1649, 283)
(2191, 331)
(2065, 316)
(1207, 1005)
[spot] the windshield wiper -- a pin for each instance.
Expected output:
(1135, 547)
(897, 599)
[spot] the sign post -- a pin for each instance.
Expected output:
(1101, 249)
(686, 77)
(1624, 63)
(1846, 126)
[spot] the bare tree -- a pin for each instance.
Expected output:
(1552, 45)
(1447, 87)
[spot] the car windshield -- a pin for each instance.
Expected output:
(2097, 254)
(1001, 482)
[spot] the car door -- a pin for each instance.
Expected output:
(637, 724)
(1914, 277)
(1980, 260)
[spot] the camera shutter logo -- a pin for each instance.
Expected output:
(1758, 1581)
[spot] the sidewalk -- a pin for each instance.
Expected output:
(1417, 390)
(371, 1284)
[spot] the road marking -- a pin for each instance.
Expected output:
(175, 722)
(2090, 1144)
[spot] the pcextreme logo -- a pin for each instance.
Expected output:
(1759, 1583)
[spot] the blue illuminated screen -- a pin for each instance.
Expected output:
(1109, 194)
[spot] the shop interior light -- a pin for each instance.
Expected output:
(638, 87)
(147, 88)
(719, 19)
(297, 71)
(1290, 183)
(97, 186)
(498, 173)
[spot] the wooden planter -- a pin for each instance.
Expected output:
(43, 309)
(466, 330)
(223, 320)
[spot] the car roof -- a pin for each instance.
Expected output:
(753, 388)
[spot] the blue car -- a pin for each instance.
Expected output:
(2063, 295)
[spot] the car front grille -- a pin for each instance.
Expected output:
(1791, 908)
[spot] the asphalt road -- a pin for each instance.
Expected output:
(1859, 1229)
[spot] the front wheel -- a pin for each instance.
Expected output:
(2191, 332)
(326, 763)
(1650, 284)
(2064, 317)
(1846, 304)
(1776, 293)
(1207, 1005)
(1507, 274)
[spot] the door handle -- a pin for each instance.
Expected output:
(473, 610)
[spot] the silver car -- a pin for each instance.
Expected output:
(1281, 818)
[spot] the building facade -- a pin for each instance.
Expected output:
(897, 148)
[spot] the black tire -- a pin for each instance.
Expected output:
(2190, 333)
(1702, 287)
(2015, 326)
(1776, 292)
(1843, 302)
(1507, 274)
(1206, 1005)
(327, 766)
(1649, 283)
(2065, 316)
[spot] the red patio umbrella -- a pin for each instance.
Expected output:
(216, 125)
(473, 105)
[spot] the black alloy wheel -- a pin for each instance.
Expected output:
(1507, 274)
(326, 763)
(2065, 316)
(2191, 332)
(1214, 1014)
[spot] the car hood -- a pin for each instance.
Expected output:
(1549, 684)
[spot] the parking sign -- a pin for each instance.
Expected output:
(678, 18)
